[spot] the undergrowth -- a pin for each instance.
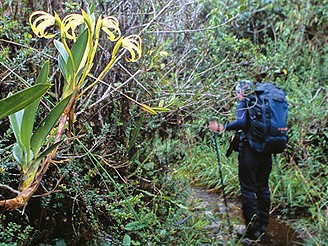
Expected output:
(295, 197)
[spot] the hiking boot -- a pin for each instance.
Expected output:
(248, 242)
(242, 232)
(254, 235)
(263, 229)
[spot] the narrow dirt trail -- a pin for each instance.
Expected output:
(279, 233)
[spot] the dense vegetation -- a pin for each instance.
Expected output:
(124, 175)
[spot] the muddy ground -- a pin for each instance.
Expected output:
(280, 233)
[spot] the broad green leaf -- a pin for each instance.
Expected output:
(16, 124)
(69, 70)
(92, 8)
(30, 112)
(18, 154)
(64, 61)
(68, 86)
(62, 65)
(61, 49)
(47, 125)
(21, 99)
(78, 49)
(43, 75)
(126, 240)
(27, 125)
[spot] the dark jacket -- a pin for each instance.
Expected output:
(241, 118)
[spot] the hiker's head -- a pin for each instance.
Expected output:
(244, 87)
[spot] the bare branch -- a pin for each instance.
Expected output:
(9, 188)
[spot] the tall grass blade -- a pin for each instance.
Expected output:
(135, 133)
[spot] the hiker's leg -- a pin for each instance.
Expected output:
(248, 186)
(263, 192)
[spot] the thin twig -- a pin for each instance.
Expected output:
(9, 188)
(133, 76)
(156, 17)
(53, 190)
(196, 30)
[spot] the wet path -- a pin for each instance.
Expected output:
(279, 233)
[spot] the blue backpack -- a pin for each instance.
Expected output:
(267, 119)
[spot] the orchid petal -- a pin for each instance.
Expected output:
(40, 21)
(111, 27)
(132, 43)
(70, 23)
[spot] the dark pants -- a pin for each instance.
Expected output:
(254, 171)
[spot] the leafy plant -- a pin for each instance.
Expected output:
(75, 63)
(14, 234)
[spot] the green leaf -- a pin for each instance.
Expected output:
(126, 240)
(45, 153)
(16, 124)
(161, 109)
(172, 101)
(47, 125)
(78, 49)
(20, 100)
(65, 63)
(43, 75)
(62, 65)
(18, 154)
(79, 73)
(135, 225)
(30, 112)
(148, 109)
(27, 125)
(69, 70)
(242, 8)
(61, 49)
(161, 103)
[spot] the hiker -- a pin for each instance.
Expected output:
(253, 170)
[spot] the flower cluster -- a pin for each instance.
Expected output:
(42, 22)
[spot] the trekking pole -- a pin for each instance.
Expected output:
(222, 184)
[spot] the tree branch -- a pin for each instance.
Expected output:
(9, 188)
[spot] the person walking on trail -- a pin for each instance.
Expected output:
(253, 170)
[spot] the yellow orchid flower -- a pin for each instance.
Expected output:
(70, 23)
(111, 27)
(132, 43)
(40, 21)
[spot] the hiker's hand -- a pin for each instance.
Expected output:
(221, 128)
(214, 127)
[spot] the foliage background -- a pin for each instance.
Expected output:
(127, 172)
